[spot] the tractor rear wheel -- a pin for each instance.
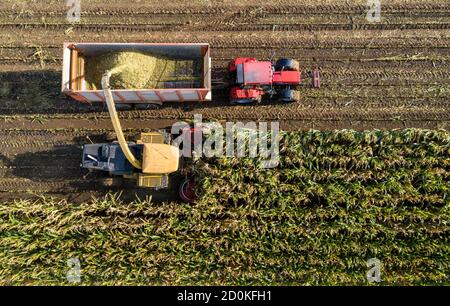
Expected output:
(287, 64)
(246, 101)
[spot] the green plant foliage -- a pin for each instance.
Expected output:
(336, 200)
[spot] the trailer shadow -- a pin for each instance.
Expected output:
(39, 92)
(58, 171)
(31, 92)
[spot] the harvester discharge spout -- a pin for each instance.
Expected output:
(116, 123)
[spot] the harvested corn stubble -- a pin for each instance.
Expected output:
(138, 70)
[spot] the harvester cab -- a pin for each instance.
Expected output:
(252, 79)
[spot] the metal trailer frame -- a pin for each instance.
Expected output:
(73, 71)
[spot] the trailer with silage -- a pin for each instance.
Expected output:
(141, 73)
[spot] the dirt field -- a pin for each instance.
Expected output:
(385, 75)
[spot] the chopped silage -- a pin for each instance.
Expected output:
(138, 70)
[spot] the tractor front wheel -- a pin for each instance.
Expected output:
(246, 101)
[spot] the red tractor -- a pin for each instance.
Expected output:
(251, 79)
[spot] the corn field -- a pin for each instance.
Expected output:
(336, 200)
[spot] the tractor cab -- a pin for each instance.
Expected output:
(251, 79)
(253, 72)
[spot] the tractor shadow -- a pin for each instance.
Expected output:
(59, 169)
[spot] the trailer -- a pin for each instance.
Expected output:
(78, 65)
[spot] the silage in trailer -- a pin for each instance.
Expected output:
(142, 70)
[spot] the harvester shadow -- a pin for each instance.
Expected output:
(58, 170)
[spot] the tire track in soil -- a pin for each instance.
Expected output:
(152, 118)
(312, 102)
(288, 42)
(64, 185)
(320, 9)
(86, 28)
(221, 57)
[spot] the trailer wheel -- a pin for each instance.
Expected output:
(287, 64)
(187, 191)
(145, 106)
(123, 106)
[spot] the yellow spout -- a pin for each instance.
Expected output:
(116, 123)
